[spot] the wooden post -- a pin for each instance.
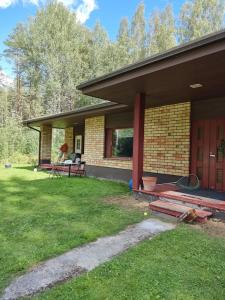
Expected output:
(138, 143)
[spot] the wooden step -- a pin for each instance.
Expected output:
(192, 199)
(198, 201)
(177, 210)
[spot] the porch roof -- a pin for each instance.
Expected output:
(166, 78)
(72, 118)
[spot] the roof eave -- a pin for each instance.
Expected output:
(201, 42)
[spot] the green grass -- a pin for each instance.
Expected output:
(42, 217)
(183, 264)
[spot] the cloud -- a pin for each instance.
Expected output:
(83, 8)
(6, 3)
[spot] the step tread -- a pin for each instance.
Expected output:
(197, 200)
(178, 208)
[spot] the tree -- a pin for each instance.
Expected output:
(162, 31)
(99, 56)
(138, 33)
(200, 17)
(123, 44)
(51, 53)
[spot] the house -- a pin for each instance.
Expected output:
(165, 116)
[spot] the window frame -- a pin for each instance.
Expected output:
(109, 144)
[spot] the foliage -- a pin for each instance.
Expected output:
(52, 53)
(200, 17)
(42, 217)
(162, 33)
(183, 264)
(138, 33)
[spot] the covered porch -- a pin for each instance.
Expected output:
(186, 82)
(165, 118)
(174, 106)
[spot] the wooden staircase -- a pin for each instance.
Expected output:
(178, 211)
(178, 204)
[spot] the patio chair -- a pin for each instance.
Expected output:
(55, 172)
(79, 169)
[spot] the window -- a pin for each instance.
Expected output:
(78, 144)
(119, 142)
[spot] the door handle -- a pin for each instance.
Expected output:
(212, 155)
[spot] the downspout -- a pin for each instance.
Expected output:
(39, 148)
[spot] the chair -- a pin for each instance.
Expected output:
(79, 169)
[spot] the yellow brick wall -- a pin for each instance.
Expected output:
(46, 142)
(167, 139)
(69, 140)
(94, 141)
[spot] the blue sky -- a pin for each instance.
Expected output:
(108, 12)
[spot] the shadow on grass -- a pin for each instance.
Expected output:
(42, 217)
(28, 168)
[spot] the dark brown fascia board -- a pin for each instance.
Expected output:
(107, 106)
(198, 43)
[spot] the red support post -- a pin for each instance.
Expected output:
(138, 144)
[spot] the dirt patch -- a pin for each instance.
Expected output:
(128, 202)
(212, 228)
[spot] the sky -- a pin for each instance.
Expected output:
(108, 12)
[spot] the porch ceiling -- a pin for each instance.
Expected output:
(166, 78)
(76, 117)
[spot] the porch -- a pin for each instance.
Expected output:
(173, 105)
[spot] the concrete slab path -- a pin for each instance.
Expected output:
(82, 259)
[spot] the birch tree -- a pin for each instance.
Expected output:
(138, 33)
(200, 17)
(162, 31)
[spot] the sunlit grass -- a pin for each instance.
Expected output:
(42, 217)
(183, 264)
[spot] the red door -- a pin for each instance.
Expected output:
(207, 159)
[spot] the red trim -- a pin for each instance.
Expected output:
(108, 142)
(138, 144)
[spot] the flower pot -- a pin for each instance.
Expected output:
(149, 183)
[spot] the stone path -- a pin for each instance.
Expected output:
(82, 259)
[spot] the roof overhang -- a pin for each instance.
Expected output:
(76, 117)
(166, 78)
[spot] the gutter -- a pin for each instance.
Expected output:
(39, 146)
(180, 49)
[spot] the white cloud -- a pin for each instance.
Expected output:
(6, 3)
(83, 8)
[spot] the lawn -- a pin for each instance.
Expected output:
(183, 264)
(42, 217)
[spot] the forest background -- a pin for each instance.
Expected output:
(51, 53)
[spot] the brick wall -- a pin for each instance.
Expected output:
(46, 143)
(69, 140)
(94, 145)
(167, 139)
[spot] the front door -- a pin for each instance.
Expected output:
(208, 153)
(78, 144)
